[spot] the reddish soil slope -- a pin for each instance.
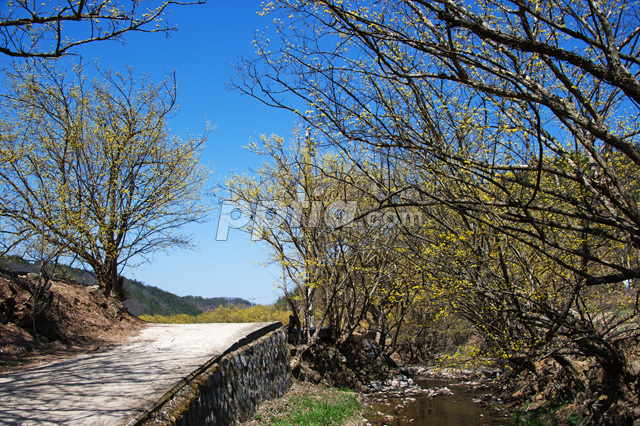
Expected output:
(78, 319)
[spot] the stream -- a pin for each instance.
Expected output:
(453, 406)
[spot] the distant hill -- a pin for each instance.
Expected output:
(208, 304)
(148, 300)
(141, 299)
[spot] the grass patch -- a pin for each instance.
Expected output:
(311, 405)
(315, 411)
(520, 418)
(573, 419)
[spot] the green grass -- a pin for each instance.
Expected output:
(521, 418)
(314, 411)
(573, 419)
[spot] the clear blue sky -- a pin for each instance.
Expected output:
(210, 38)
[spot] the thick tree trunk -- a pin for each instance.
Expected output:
(110, 281)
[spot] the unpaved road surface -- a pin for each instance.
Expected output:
(113, 386)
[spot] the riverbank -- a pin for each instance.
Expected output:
(437, 397)
(420, 396)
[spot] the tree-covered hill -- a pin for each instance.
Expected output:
(141, 299)
(205, 304)
(148, 300)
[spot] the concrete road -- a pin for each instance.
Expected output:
(113, 386)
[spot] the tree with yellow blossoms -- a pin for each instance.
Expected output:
(519, 121)
(340, 268)
(89, 166)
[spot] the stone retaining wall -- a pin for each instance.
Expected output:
(230, 388)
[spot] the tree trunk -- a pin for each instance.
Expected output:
(110, 281)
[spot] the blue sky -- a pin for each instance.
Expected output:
(210, 39)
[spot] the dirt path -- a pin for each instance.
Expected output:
(113, 386)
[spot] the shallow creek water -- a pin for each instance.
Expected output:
(442, 410)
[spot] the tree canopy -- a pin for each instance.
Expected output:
(89, 166)
(513, 127)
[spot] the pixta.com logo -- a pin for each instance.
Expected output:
(257, 218)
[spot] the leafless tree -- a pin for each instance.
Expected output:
(52, 29)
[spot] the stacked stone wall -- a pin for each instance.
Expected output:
(230, 389)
